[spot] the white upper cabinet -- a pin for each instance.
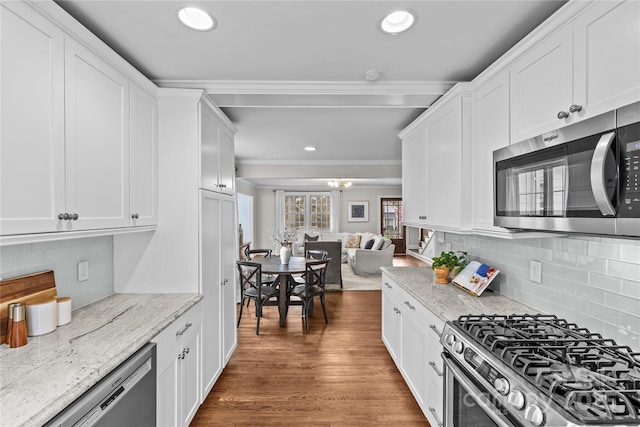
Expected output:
(97, 140)
(541, 86)
(32, 183)
(606, 41)
(587, 67)
(490, 123)
(144, 158)
(447, 164)
(217, 164)
(414, 176)
(68, 119)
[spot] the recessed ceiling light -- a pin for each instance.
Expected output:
(310, 148)
(397, 21)
(196, 19)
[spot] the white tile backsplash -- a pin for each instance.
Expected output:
(62, 257)
(590, 280)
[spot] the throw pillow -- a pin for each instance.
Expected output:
(369, 244)
(353, 241)
(365, 238)
(377, 244)
(386, 243)
(308, 238)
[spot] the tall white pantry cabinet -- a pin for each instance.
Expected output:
(195, 246)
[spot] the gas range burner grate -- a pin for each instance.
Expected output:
(592, 378)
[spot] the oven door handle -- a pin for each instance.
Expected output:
(474, 392)
(598, 180)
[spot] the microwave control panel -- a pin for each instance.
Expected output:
(630, 206)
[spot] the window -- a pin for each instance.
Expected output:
(307, 211)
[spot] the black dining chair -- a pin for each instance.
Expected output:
(315, 274)
(253, 289)
(250, 254)
(316, 254)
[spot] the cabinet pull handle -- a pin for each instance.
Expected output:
(433, 365)
(435, 415)
(63, 216)
(135, 216)
(409, 305)
(186, 350)
(435, 330)
(181, 356)
(74, 216)
(388, 285)
(563, 115)
(575, 108)
(183, 330)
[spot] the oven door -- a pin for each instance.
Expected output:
(467, 403)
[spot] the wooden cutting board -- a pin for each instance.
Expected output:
(23, 289)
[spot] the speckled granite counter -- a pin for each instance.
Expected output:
(448, 302)
(40, 379)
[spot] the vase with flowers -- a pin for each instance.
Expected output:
(285, 238)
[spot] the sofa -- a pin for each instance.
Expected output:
(362, 261)
(367, 252)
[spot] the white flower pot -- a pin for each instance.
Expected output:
(285, 254)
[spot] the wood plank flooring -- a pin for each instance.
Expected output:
(338, 374)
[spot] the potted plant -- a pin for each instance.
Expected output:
(448, 262)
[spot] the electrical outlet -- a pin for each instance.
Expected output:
(83, 271)
(535, 271)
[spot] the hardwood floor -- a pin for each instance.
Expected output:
(338, 374)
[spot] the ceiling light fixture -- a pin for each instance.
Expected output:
(310, 148)
(196, 19)
(397, 22)
(339, 183)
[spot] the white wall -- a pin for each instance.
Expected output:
(245, 216)
(62, 257)
(591, 281)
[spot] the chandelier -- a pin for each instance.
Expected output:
(340, 183)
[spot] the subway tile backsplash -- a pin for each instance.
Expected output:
(62, 257)
(592, 281)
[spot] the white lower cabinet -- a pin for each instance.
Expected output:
(408, 331)
(178, 369)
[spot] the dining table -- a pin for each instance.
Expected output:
(284, 273)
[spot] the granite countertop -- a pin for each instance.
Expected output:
(449, 302)
(39, 380)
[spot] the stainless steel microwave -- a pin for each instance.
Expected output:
(583, 178)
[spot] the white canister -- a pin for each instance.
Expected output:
(42, 317)
(64, 310)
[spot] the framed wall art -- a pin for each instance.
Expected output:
(358, 211)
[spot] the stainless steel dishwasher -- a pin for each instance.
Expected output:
(125, 397)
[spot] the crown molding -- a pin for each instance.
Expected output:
(265, 87)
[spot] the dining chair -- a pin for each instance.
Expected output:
(250, 254)
(316, 254)
(253, 289)
(315, 274)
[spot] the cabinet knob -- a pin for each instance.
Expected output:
(74, 216)
(135, 216)
(563, 115)
(575, 108)
(63, 216)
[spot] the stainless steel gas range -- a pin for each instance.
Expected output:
(539, 370)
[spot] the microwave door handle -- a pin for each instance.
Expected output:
(598, 180)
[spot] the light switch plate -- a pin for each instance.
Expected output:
(83, 271)
(535, 271)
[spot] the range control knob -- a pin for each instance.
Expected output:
(516, 399)
(534, 415)
(458, 347)
(502, 385)
(449, 339)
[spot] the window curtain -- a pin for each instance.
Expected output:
(279, 210)
(335, 211)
